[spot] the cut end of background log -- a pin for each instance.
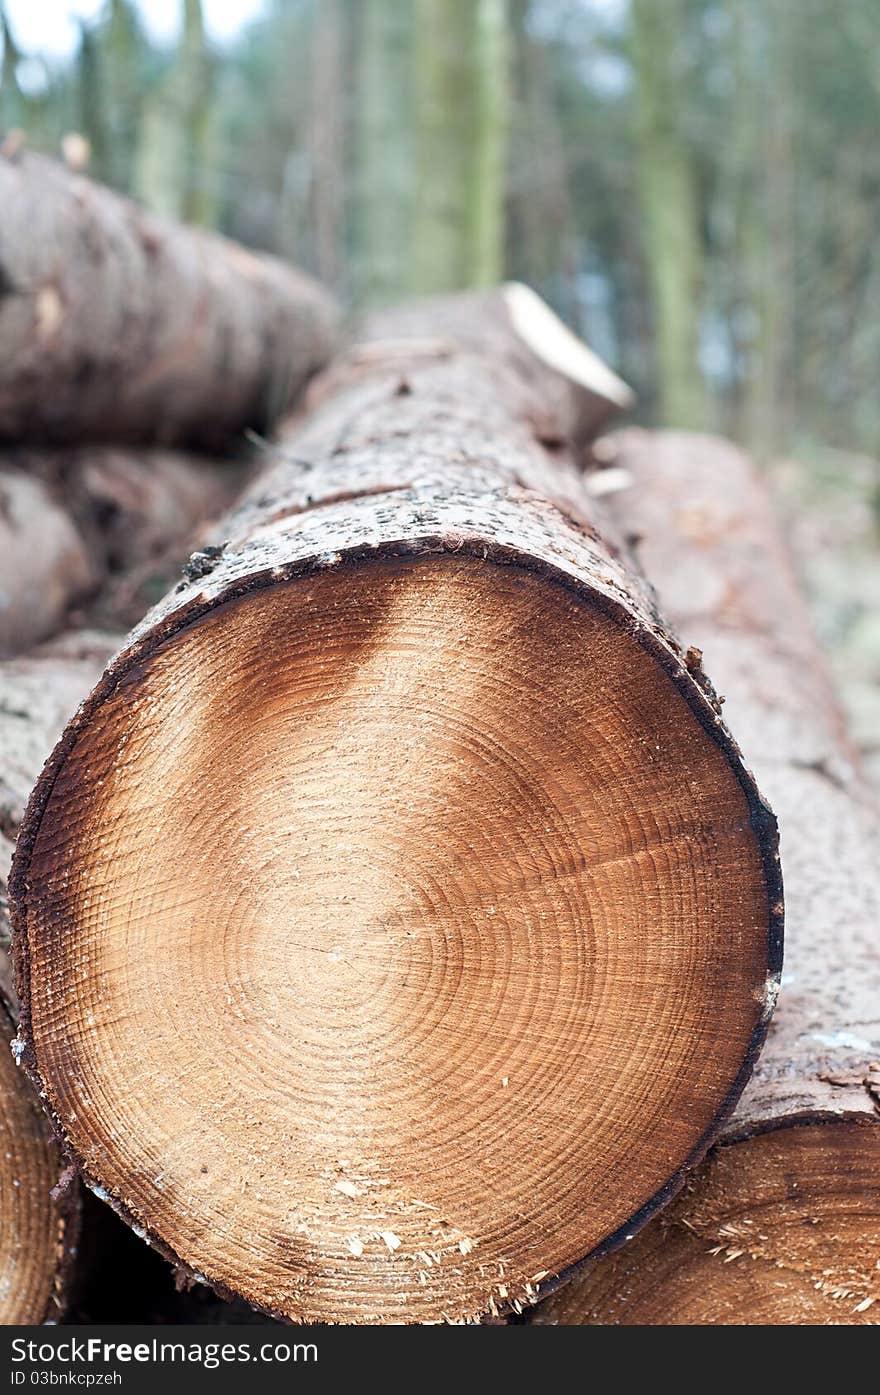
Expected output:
(396, 921)
(553, 342)
(37, 1233)
(781, 1224)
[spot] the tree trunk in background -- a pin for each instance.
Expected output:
(479, 817)
(461, 123)
(491, 81)
(92, 115)
(328, 85)
(768, 245)
(12, 102)
(668, 198)
(197, 81)
(118, 326)
(122, 81)
(781, 1225)
(176, 158)
(385, 132)
(444, 143)
(539, 234)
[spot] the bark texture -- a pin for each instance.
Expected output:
(711, 545)
(39, 692)
(433, 472)
(781, 1224)
(115, 325)
(97, 522)
(38, 1229)
(40, 1200)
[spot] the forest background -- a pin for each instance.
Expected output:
(693, 184)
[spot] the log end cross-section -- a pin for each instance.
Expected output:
(396, 921)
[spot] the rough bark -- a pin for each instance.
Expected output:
(501, 783)
(115, 325)
(782, 1224)
(98, 522)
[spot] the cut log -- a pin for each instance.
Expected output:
(396, 921)
(782, 1222)
(38, 1231)
(115, 325)
(38, 695)
(77, 523)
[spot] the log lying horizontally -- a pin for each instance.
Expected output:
(396, 921)
(37, 1231)
(782, 1222)
(116, 325)
(75, 522)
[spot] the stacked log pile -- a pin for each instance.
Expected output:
(397, 923)
(122, 340)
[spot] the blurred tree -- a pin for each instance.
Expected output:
(91, 95)
(121, 76)
(668, 199)
(325, 137)
(694, 184)
(461, 123)
(265, 100)
(485, 255)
